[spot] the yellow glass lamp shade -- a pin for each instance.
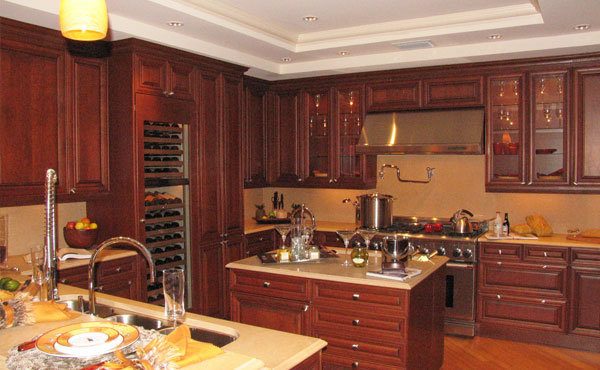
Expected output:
(83, 20)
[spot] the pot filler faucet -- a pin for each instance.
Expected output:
(118, 240)
(428, 169)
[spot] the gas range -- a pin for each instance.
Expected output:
(432, 234)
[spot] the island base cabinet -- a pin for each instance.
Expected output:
(273, 313)
(586, 305)
(331, 362)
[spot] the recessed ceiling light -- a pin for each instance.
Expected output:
(175, 24)
(309, 18)
(286, 59)
(582, 27)
(495, 36)
(344, 53)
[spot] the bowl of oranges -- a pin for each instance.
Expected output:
(80, 234)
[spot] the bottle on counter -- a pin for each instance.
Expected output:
(359, 255)
(498, 225)
(506, 225)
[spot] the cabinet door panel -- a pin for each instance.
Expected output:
(587, 113)
(393, 95)
(152, 74)
(207, 281)
(181, 80)
(453, 92)
(585, 310)
(89, 131)
(32, 119)
(541, 279)
(255, 136)
(288, 155)
(273, 313)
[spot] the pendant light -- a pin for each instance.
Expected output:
(83, 20)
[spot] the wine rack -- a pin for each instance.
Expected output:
(165, 180)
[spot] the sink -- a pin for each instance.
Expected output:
(101, 309)
(203, 335)
(137, 320)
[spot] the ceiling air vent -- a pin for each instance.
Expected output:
(412, 45)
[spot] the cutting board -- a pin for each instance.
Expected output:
(584, 239)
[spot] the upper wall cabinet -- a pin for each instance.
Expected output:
(587, 129)
(386, 96)
(53, 116)
(254, 133)
(168, 78)
(453, 92)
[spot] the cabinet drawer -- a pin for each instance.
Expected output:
(500, 251)
(271, 285)
(535, 313)
(545, 254)
(380, 352)
(327, 238)
(259, 237)
(360, 297)
(525, 278)
(587, 256)
(343, 362)
(116, 269)
(394, 95)
(359, 323)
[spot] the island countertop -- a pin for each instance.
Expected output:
(331, 269)
(255, 347)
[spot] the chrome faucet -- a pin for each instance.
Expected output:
(122, 240)
(393, 166)
(50, 268)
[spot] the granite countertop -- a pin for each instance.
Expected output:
(331, 269)
(255, 348)
(557, 240)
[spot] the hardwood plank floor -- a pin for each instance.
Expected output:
(485, 353)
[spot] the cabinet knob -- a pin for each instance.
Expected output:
(355, 347)
(64, 281)
(129, 282)
(142, 220)
(100, 288)
(356, 322)
(499, 251)
(355, 297)
(499, 263)
(72, 190)
(498, 296)
(118, 269)
(545, 254)
(247, 253)
(331, 181)
(543, 301)
(355, 365)
(299, 179)
(335, 180)
(261, 239)
(305, 308)
(266, 284)
(545, 266)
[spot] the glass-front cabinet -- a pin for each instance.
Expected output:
(349, 119)
(320, 136)
(549, 133)
(506, 136)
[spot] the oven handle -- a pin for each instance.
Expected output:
(464, 266)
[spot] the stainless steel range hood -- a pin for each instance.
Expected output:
(456, 131)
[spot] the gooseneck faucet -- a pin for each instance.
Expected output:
(118, 240)
(428, 169)
(50, 268)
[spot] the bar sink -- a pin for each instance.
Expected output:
(84, 307)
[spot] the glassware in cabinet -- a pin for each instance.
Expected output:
(319, 134)
(350, 121)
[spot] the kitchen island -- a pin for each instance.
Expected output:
(368, 322)
(254, 348)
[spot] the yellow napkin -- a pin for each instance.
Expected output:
(51, 311)
(194, 351)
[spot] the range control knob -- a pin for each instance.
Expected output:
(457, 252)
(441, 251)
(467, 253)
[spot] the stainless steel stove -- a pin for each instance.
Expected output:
(430, 235)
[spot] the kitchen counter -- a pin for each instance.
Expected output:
(255, 348)
(331, 269)
(251, 226)
(558, 240)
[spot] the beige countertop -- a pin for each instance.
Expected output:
(558, 240)
(331, 269)
(250, 226)
(255, 348)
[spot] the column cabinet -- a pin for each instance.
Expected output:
(53, 116)
(254, 133)
(587, 128)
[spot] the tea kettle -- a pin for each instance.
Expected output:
(461, 223)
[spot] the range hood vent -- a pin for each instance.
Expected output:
(456, 131)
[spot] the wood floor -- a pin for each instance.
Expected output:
(484, 353)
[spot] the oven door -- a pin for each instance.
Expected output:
(460, 299)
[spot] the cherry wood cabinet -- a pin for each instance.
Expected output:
(539, 293)
(453, 92)
(259, 242)
(164, 77)
(587, 128)
(318, 137)
(254, 133)
(386, 96)
(54, 115)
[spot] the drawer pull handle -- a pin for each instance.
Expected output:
(266, 284)
(355, 297)
(355, 365)
(261, 239)
(545, 266)
(118, 269)
(100, 288)
(356, 322)
(498, 296)
(305, 308)
(499, 263)
(355, 347)
(499, 251)
(64, 281)
(543, 301)
(545, 254)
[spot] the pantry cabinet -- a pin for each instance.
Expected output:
(54, 115)
(587, 128)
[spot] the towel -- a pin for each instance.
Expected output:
(51, 311)
(194, 351)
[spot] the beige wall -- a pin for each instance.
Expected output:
(26, 224)
(458, 182)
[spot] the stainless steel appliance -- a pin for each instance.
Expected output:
(436, 235)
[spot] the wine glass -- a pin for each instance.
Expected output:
(367, 235)
(346, 235)
(283, 230)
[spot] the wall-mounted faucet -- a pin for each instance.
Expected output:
(118, 240)
(428, 169)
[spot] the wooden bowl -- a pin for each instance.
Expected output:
(80, 238)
